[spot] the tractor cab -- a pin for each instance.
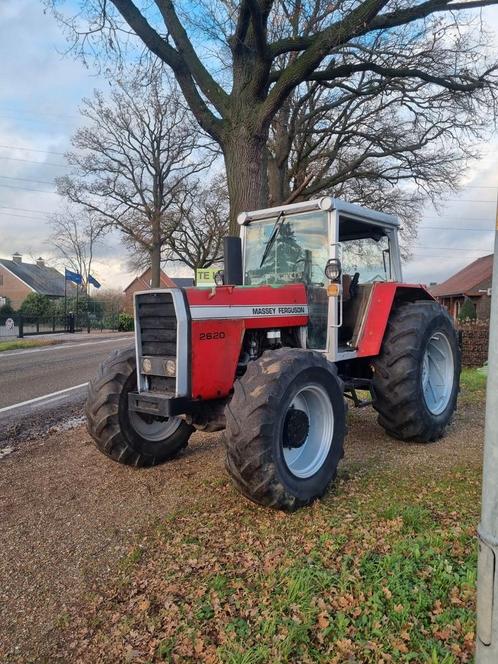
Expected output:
(337, 249)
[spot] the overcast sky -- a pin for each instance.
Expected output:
(40, 92)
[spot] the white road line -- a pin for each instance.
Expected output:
(61, 346)
(53, 396)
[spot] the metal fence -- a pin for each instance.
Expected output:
(92, 315)
(21, 325)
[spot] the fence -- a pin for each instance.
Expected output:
(21, 325)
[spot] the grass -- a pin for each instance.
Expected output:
(473, 386)
(25, 343)
(383, 569)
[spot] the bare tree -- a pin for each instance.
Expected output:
(75, 234)
(132, 160)
(200, 221)
(237, 63)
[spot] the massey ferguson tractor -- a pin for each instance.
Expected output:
(309, 309)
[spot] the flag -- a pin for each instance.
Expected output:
(75, 277)
(93, 281)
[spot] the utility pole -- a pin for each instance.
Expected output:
(487, 572)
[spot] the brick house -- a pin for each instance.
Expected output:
(19, 279)
(143, 281)
(473, 282)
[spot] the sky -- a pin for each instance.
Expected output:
(41, 87)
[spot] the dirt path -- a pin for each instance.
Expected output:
(68, 515)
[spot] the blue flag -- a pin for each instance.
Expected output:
(75, 277)
(93, 281)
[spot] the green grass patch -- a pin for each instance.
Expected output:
(383, 570)
(473, 386)
(25, 343)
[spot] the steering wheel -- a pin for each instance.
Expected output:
(353, 286)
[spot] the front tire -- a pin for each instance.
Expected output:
(285, 428)
(122, 435)
(417, 374)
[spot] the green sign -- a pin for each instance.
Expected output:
(205, 276)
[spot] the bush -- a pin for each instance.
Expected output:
(37, 305)
(468, 311)
(7, 310)
(125, 322)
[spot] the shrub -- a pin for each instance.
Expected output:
(468, 311)
(125, 322)
(7, 310)
(37, 305)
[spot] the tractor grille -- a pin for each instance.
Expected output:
(156, 319)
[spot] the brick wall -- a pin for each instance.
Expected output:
(13, 288)
(483, 307)
(475, 339)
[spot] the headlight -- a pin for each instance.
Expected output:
(333, 269)
(147, 365)
(219, 278)
(170, 367)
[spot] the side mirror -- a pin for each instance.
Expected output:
(333, 270)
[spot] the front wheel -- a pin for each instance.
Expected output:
(127, 436)
(417, 374)
(285, 428)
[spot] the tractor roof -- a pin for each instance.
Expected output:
(348, 211)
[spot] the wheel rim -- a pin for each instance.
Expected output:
(438, 373)
(152, 429)
(304, 457)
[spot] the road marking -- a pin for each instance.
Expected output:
(61, 346)
(53, 396)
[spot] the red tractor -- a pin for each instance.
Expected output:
(310, 308)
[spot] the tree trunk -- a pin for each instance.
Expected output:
(155, 266)
(246, 168)
(155, 252)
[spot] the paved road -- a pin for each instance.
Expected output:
(42, 386)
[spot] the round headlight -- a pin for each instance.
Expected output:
(219, 278)
(147, 365)
(170, 367)
(333, 269)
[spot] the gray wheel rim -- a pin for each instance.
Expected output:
(305, 461)
(153, 430)
(438, 371)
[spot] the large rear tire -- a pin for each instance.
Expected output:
(417, 374)
(285, 428)
(125, 436)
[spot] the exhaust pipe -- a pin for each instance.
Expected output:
(232, 251)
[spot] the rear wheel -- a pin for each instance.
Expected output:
(285, 428)
(417, 374)
(127, 436)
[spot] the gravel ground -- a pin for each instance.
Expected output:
(68, 515)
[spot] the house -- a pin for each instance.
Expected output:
(143, 282)
(473, 282)
(19, 279)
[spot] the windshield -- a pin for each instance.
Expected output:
(298, 253)
(369, 257)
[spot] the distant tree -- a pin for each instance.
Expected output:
(75, 234)
(37, 305)
(132, 160)
(200, 222)
(467, 311)
(239, 63)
